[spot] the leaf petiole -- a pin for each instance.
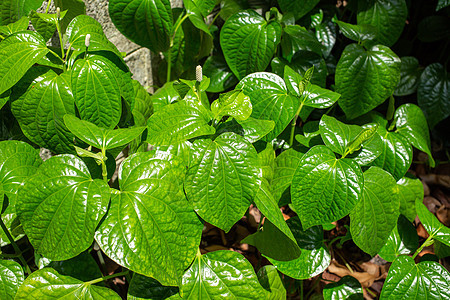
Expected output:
(104, 278)
(16, 248)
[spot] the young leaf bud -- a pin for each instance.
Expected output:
(87, 40)
(198, 73)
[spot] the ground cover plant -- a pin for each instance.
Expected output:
(282, 130)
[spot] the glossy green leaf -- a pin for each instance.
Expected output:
(314, 257)
(357, 33)
(251, 129)
(12, 222)
(365, 78)
(178, 122)
(222, 179)
(270, 280)
(39, 111)
(410, 72)
(165, 95)
(317, 97)
(296, 38)
(45, 24)
(326, 34)
(66, 203)
(270, 100)
(387, 16)
(11, 277)
(432, 225)
(49, 284)
(285, 165)
(403, 240)
(298, 10)
(98, 137)
(19, 52)
(248, 42)
(143, 104)
(216, 68)
(267, 163)
(12, 10)
(409, 190)
(234, 104)
(74, 8)
(4, 98)
(82, 267)
(411, 124)
(19, 25)
(433, 93)
(195, 15)
(150, 227)
(325, 189)
(407, 280)
(375, 216)
(145, 22)
(347, 287)
(221, 274)
(142, 287)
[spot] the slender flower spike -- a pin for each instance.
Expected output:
(199, 73)
(58, 13)
(87, 40)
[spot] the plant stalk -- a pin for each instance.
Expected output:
(16, 248)
(58, 28)
(425, 244)
(48, 6)
(294, 122)
(124, 273)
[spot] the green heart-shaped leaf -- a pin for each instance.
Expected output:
(296, 38)
(409, 190)
(222, 78)
(432, 225)
(365, 78)
(270, 280)
(347, 287)
(19, 25)
(298, 10)
(410, 72)
(326, 34)
(12, 10)
(45, 24)
(248, 42)
(234, 104)
(251, 129)
(357, 33)
(11, 277)
(142, 288)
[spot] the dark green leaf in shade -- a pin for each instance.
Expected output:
(296, 38)
(98, 137)
(347, 287)
(365, 79)
(82, 267)
(270, 100)
(39, 111)
(357, 33)
(13, 10)
(178, 122)
(49, 284)
(251, 129)
(248, 42)
(433, 93)
(142, 288)
(11, 277)
(432, 225)
(60, 207)
(314, 257)
(387, 16)
(234, 104)
(375, 215)
(285, 165)
(326, 34)
(45, 24)
(442, 4)
(150, 227)
(325, 189)
(19, 25)
(12, 222)
(441, 249)
(146, 22)
(433, 29)
(205, 6)
(299, 10)
(74, 8)
(412, 124)
(409, 190)
(270, 280)
(222, 78)
(407, 280)
(222, 275)
(222, 179)
(410, 72)
(143, 104)
(403, 240)
(19, 52)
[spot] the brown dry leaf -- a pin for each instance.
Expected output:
(443, 180)
(254, 216)
(215, 248)
(426, 188)
(443, 214)
(366, 278)
(431, 203)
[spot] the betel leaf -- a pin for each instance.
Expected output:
(142, 287)
(11, 277)
(222, 179)
(82, 267)
(375, 216)
(317, 97)
(66, 203)
(409, 190)
(19, 52)
(325, 189)
(74, 8)
(234, 104)
(432, 225)
(165, 95)
(270, 100)
(39, 111)
(403, 240)
(411, 124)
(178, 122)
(365, 78)
(298, 10)
(407, 280)
(148, 23)
(143, 104)
(150, 227)
(49, 284)
(12, 10)
(285, 165)
(195, 15)
(222, 274)
(248, 42)
(251, 129)
(19, 25)
(314, 257)
(433, 93)
(98, 137)
(357, 33)
(387, 16)
(348, 287)
(216, 68)
(296, 38)
(270, 280)
(326, 34)
(410, 72)
(45, 24)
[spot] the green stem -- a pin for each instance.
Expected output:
(172, 38)
(169, 64)
(301, 289)
(294, 121)
(176, 29)
(16, 248)
(104, 169)
(124, 273)
(58, 28)
(48, 6)
(425, 244)
(56, 55)
(215, 17)
(391, 108)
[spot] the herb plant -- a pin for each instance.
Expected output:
(303, 106)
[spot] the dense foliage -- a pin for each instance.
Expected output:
(313, 106)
